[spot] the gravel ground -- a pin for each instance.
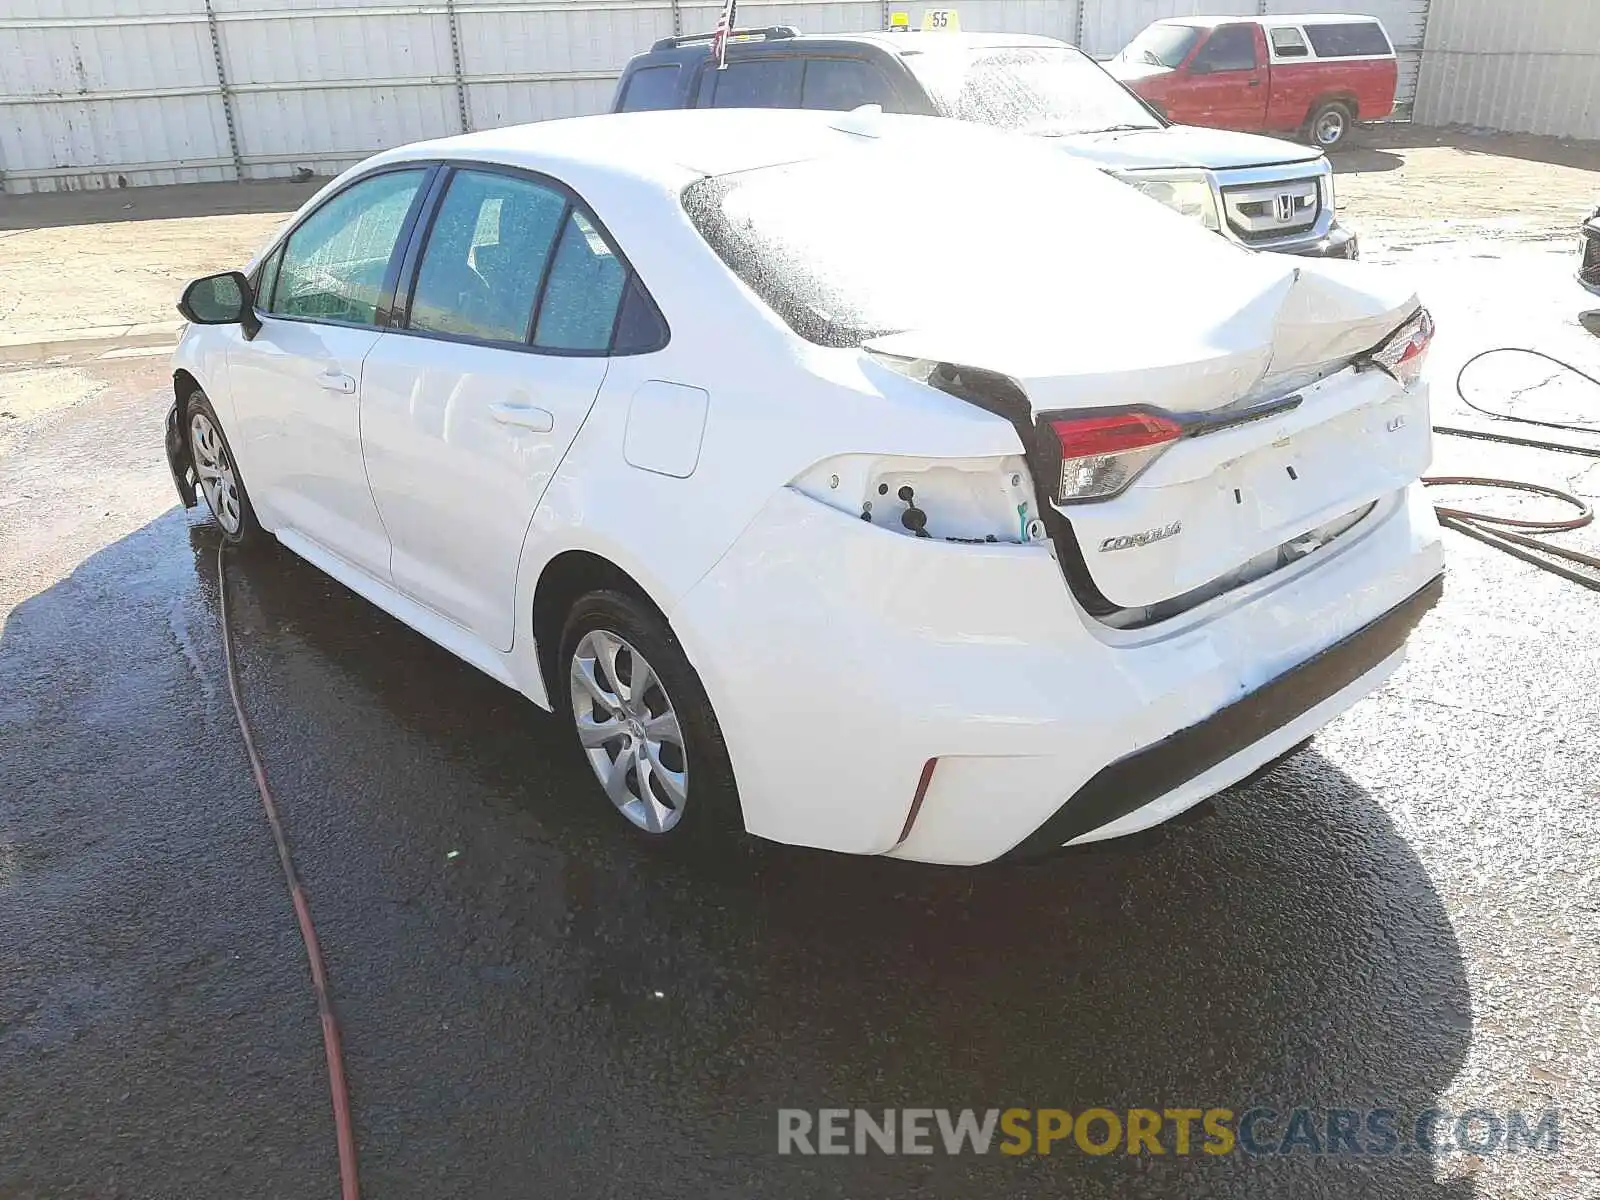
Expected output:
(1403, 915)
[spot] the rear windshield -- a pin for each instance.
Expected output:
(1162, 45)
(1355, 39)
(1040, 89)
(855, 246)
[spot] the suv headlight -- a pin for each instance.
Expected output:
(1187, 192)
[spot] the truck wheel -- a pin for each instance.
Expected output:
(1330, 125)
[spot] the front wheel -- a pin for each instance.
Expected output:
(218, 472)
(1330, 125)
(644, 723)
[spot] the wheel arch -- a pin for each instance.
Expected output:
(1341, 96)
(567, 576)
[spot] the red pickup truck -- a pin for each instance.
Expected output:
(1313, 74)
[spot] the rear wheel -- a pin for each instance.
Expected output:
(644, 723)
(217, 471)
(1330, 125)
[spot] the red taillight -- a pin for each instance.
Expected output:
(1403, 354)
(1102, 454)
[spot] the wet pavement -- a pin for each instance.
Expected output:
(1402, 916)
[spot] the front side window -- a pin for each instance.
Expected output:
(1287, 43)
(1040, 89)
(334, 264)
(1230, 48)
(486, 253)
(579, 307)
(840, 84)
(1349, 39)
(1162, 45)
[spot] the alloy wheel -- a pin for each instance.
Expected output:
(218, 480)
(1330, 127)
(629, 731)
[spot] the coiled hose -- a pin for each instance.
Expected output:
(1512, 534)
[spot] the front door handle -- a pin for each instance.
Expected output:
(1255, 83)
(337, 381)
(526, 415)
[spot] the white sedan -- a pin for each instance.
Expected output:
(873, 483)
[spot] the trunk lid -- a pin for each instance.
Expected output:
(1204, 349)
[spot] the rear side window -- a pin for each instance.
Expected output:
(1230, 48)
(841, 84)
(753, 83)
(485, 256)
(650, 88)
(1354, 39)
(579, 307)
(1287, 43)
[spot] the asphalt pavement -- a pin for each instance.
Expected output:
(1401, 916)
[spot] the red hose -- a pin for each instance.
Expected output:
(349, 1188)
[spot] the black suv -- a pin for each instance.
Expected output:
(1261, 192)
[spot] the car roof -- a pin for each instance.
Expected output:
(668, 146)
(908, 42)
(1279, 19)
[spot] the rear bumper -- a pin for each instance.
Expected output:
(841, 657)
(177, 447)
(1141, 779)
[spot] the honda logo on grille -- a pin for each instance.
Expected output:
(1285, 207)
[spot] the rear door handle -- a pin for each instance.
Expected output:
(337, 381)
(526, 415)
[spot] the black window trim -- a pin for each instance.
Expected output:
(419, 232)
(391, 274)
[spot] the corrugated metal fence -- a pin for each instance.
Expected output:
(1529, 67)
(108, 93)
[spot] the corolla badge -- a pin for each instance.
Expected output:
(1127, 541)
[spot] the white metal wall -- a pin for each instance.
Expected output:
(108, 93)
(1528, 67)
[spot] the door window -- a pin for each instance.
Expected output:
(1230, 48)
(840, 84)
(1287, 43)
(579, 307)
(753, 83)
(486, 253)
(334, 264)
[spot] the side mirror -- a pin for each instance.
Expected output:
(223, 299)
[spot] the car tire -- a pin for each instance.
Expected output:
(216, 471)
(1330, 125)
(664, 766)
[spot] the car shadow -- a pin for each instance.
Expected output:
(1287, 951)
(1565, 152)
(55, 210)
(535, 1001)
(1361, 159)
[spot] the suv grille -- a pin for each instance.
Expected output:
(1264, 211)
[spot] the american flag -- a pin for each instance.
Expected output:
(719, 39)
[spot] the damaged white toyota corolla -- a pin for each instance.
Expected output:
(873, 483)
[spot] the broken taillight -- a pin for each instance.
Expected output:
(1403, 354)
(1102, 453)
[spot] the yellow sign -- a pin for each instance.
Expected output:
(899, 22)
(940, 20)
